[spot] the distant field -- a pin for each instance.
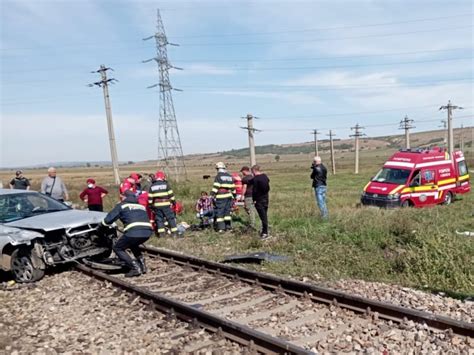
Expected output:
(416, 247)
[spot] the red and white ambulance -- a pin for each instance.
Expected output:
(418, 178)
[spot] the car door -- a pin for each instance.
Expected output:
(428, 189)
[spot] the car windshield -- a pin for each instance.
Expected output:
(392, 176)
(18, 206)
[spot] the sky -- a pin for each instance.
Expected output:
(296, 65)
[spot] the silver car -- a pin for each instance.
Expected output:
(37, 232)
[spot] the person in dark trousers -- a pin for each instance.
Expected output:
(319, 175)
(223, 190)
(247, 194)
(19, 182)
(93, 195)
(137, 230)
(260, 189)
(160, 199)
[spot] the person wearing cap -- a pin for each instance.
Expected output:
(137, 230)
(53, 186)
(319, 175)
(19, 182)
(223, 190)
(247, 194)
(93, 195)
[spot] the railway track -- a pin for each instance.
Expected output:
(270, 314)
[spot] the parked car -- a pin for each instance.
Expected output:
(38, 232)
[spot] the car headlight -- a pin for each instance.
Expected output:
(393, 196)
(363, 194)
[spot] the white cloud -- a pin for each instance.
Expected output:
(344, 78)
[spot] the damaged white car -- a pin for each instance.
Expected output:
(37, 232)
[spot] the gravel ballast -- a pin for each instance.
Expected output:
(71, 313)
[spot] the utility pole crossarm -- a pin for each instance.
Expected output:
(450, 107)
(407, 124)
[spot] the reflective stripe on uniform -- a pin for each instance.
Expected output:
(161, 204)
(219, 220)
(161, 230)
(228, 186)
(174, 229)
(227, 195)
(158, 194)
(227, 218)
(137, 224)
(133, 206)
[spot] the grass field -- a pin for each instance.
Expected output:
(413, 247)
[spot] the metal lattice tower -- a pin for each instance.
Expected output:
(170, 153)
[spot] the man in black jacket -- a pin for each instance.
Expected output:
(260, 189)
(137, 230)
(319, 175)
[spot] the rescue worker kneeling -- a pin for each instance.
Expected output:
(223, 191)
(137, 230)
(160, 199)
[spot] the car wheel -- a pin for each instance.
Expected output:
(23, 268)
(406, 204)
(448, 198)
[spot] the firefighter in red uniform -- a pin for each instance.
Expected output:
(223, 191)
(160, 199)
(129, 184)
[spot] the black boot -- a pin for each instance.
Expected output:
(141, 262)
(134, 270)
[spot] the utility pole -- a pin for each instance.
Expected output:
(251, 131)
(104, 84)
(357, 133)
(316, 148)
(461, 140)
(406, 124)
(331, 145)
(170, 152)
(449, 107)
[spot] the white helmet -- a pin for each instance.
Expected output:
(220, 165)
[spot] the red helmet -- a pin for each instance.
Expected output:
(177, 207)
(160, 175)
(135, 176)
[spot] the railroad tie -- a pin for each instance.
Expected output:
(268, 313)
(305, 318)
(228, 309)
(222, 297)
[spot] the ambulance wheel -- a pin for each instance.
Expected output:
(406, 203)
(448, 198)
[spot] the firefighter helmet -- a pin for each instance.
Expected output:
(160, 175)
(220, 165)
(135, 176)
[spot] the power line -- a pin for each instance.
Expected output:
(325, 28)
(210, 44)
(210, 60)
(88, 44)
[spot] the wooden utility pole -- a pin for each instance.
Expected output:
(406, 124)
(449, 107)
(104, 83)
(331, 145)
(316, 148)
(251, 131)
(357, 133)
(461, 140)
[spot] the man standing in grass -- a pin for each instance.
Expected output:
(247, 194)
(260, 189)
(319, 175)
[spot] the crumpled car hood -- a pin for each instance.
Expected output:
(59, 220)
(18, 236)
